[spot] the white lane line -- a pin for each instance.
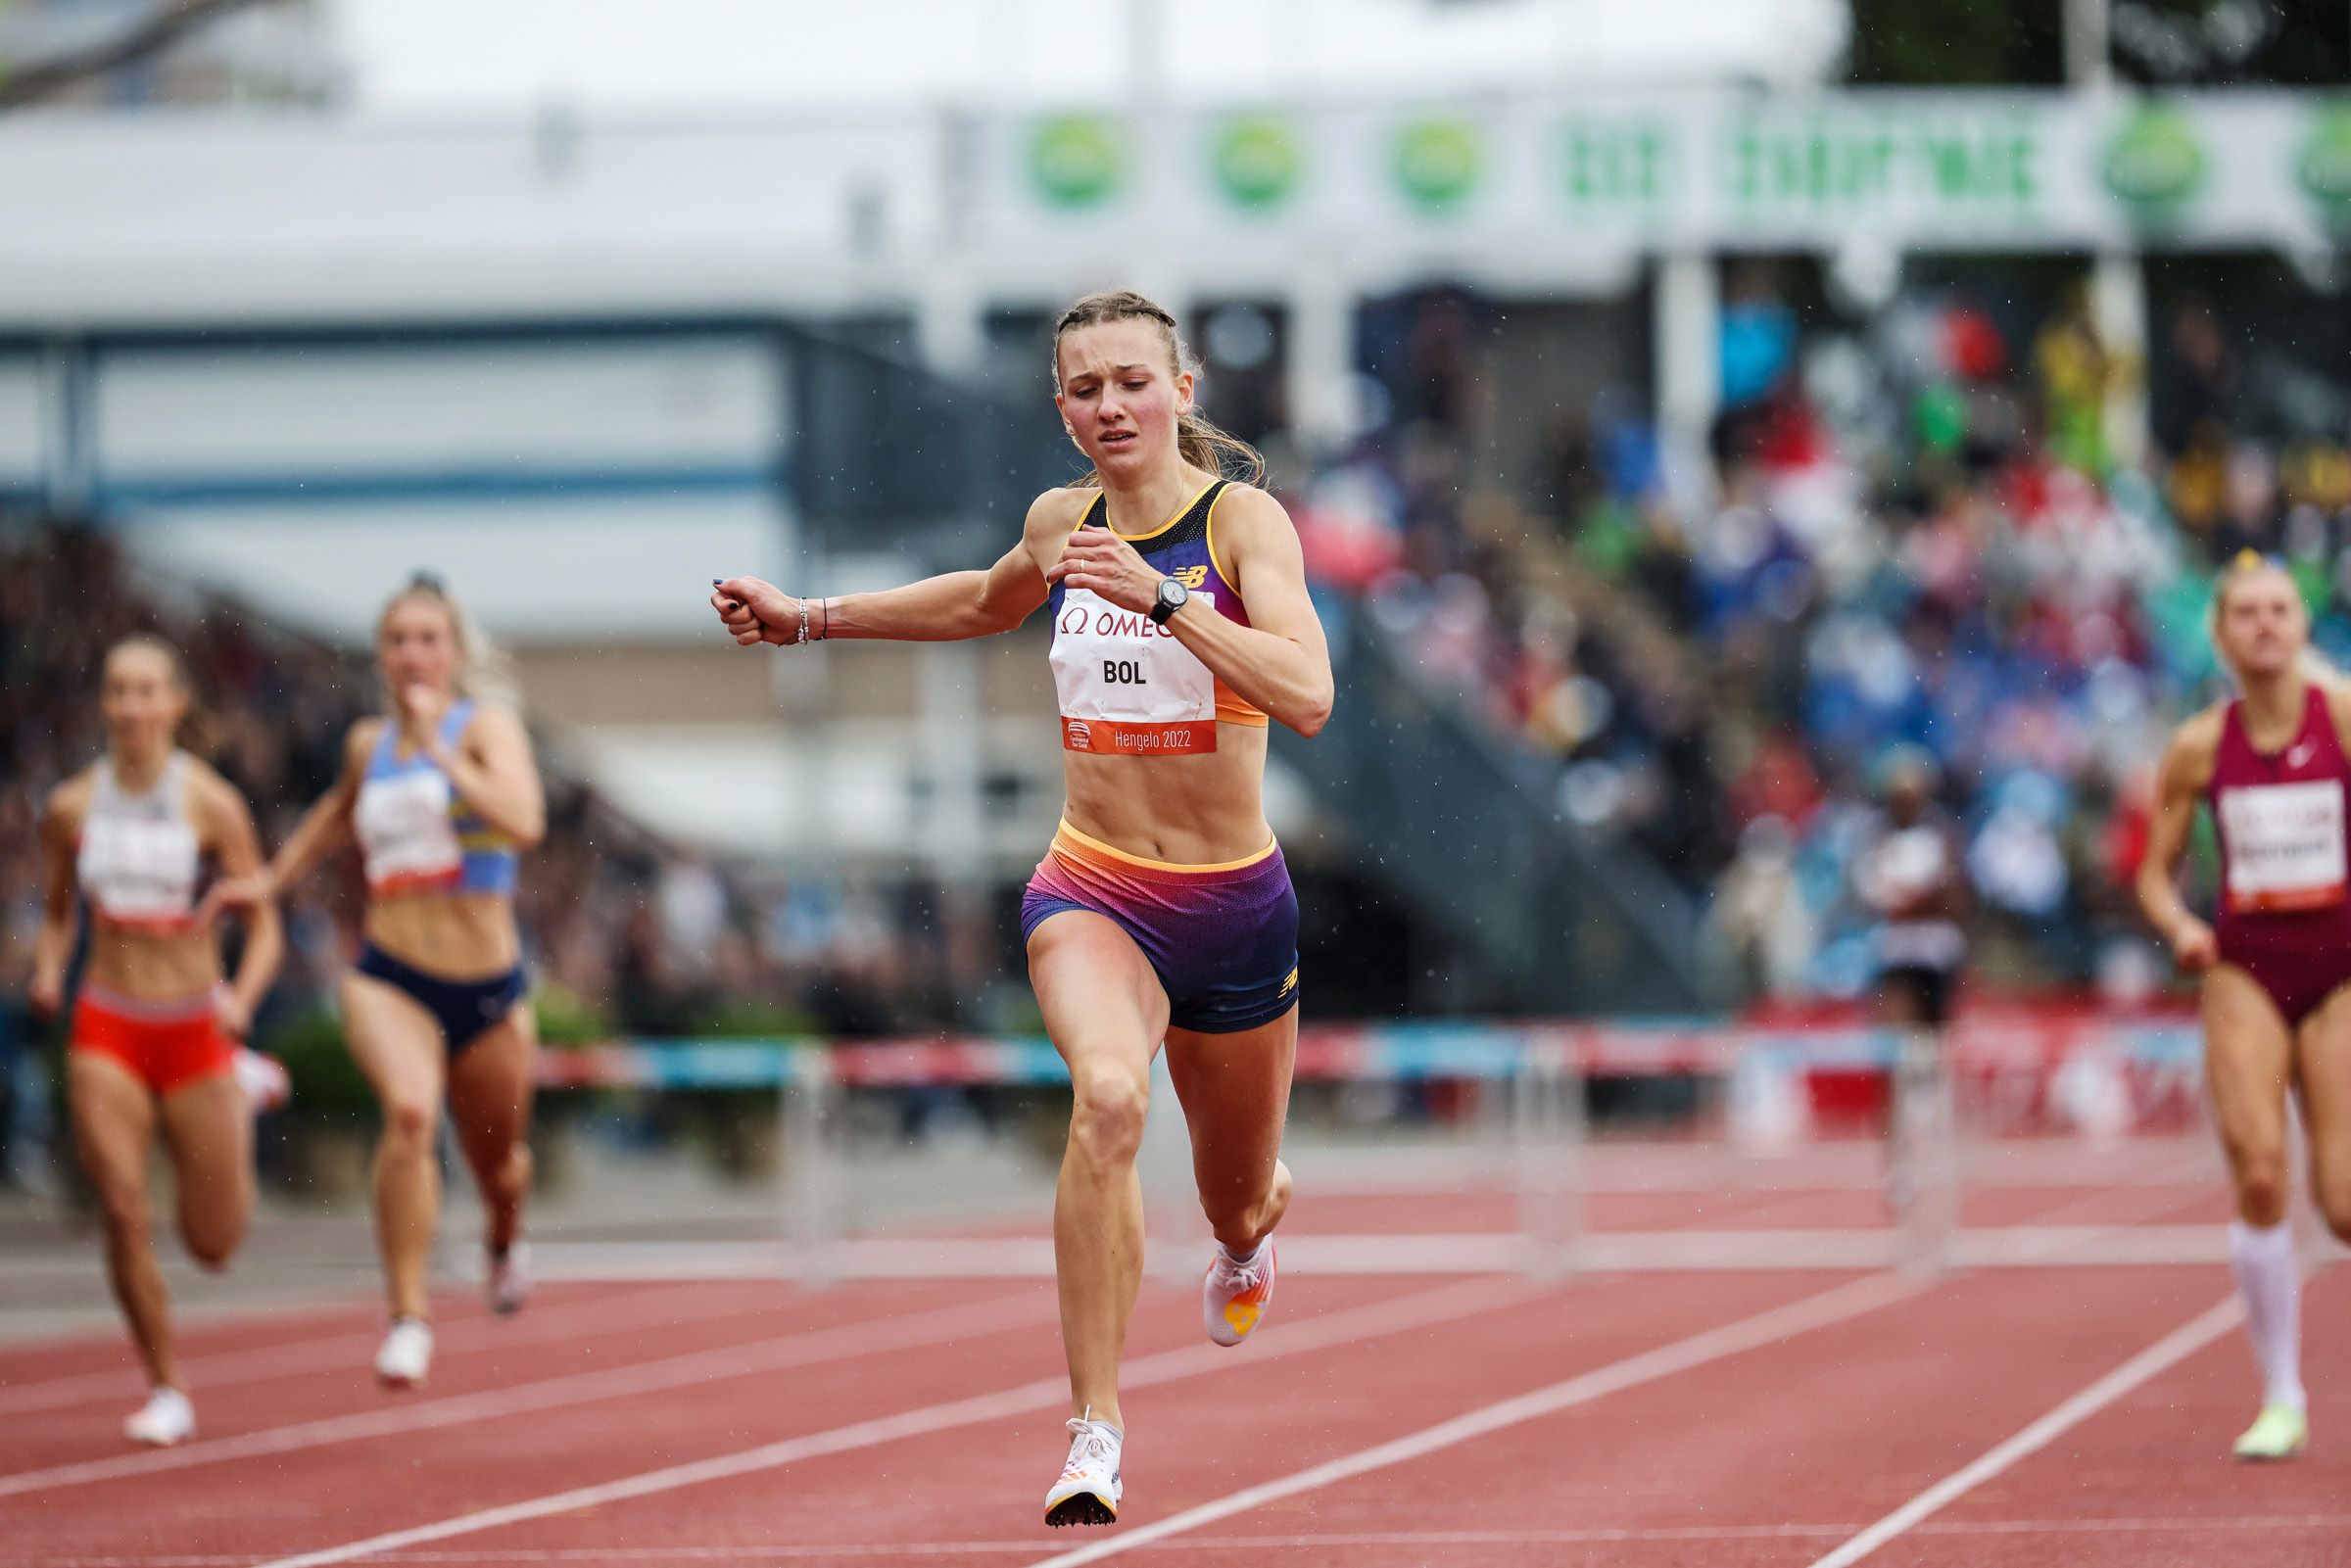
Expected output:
(658, 1306)
(871, 1337)
(1421, 1309)
(1750, 1333)
(1592, 1536)
(2166, 1353)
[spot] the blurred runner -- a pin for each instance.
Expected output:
(2270, 766)
(442, 795)
(155, 1034)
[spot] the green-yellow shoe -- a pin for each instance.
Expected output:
(2278, 1433)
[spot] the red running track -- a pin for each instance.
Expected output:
(2055, 1415)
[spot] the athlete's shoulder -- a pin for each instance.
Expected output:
(2336, 690)
(210, 792)
(1243, 512)
(2195, 746)
(68, 800)
(362, 741)
(1059, 510)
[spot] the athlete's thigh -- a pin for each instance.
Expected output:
(395, 1041)
(113, 1124)
(207, 1126)
(1235, 1092)
(2323, 1064)
(490, 1087)
(2248, 1056)
(1101, 999)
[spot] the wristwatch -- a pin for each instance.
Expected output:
(1172, 596)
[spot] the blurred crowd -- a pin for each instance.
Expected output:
(1922, 540)
(625, 933)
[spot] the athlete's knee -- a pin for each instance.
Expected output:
(122, 1208)
(2261, 1188)
(1106, 1119)
(212, 1247)
(410, 1122)
(2332, 1190)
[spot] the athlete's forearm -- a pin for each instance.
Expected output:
(265, 951)
(947, 608)
(2159, 894)
(1290, 683)
(325, 826)
(51, 947)
(514, 806)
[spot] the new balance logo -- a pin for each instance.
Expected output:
(1192, 577)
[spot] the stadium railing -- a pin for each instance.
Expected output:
(2074, 1082)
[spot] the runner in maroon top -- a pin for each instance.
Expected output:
(2277, 959)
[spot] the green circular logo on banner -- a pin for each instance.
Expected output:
(1437, 162)
(2155, 164)
(1257, 162)
(1078, 159)
(2324, 165)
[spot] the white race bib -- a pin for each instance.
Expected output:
(138, 873)
(405, 834)
(1127, 686)
(2286, 846)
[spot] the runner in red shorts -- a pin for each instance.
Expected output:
(155, 1030)
(2275, 960)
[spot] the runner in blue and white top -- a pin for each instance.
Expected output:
(441, 797)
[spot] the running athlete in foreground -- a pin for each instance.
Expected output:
(441, 797)
(155, 1029)
(1163, 911)
(2276, 960)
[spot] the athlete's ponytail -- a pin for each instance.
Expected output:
(1199, 440)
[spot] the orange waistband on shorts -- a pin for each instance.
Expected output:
(1082, 850)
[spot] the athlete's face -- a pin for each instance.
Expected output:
(417, 645)
(1121, 392)
(142, 700)
(2263, 625)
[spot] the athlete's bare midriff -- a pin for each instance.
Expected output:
(1188, 811)
(452, 937)
(152, 967)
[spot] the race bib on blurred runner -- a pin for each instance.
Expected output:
(2286, 846)
(1126, 686)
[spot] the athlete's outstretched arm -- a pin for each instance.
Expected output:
(1280, 661)
(239, 850)
(325, 826)
(947, 608)
(2187, 769)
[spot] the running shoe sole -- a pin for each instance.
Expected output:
(1082, 1509)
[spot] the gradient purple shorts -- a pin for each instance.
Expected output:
(1223, 939)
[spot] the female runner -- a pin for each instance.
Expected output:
(2271, 765)
(1163, 911)
(441, 797)
(155, 1031)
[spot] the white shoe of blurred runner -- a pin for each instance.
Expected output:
(264, 1080)
(510, 1278)
(406, 1355)
(165, 1419)
(1089, 1488)
(1236, 1292)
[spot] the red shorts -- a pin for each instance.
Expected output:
(166, 1045)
